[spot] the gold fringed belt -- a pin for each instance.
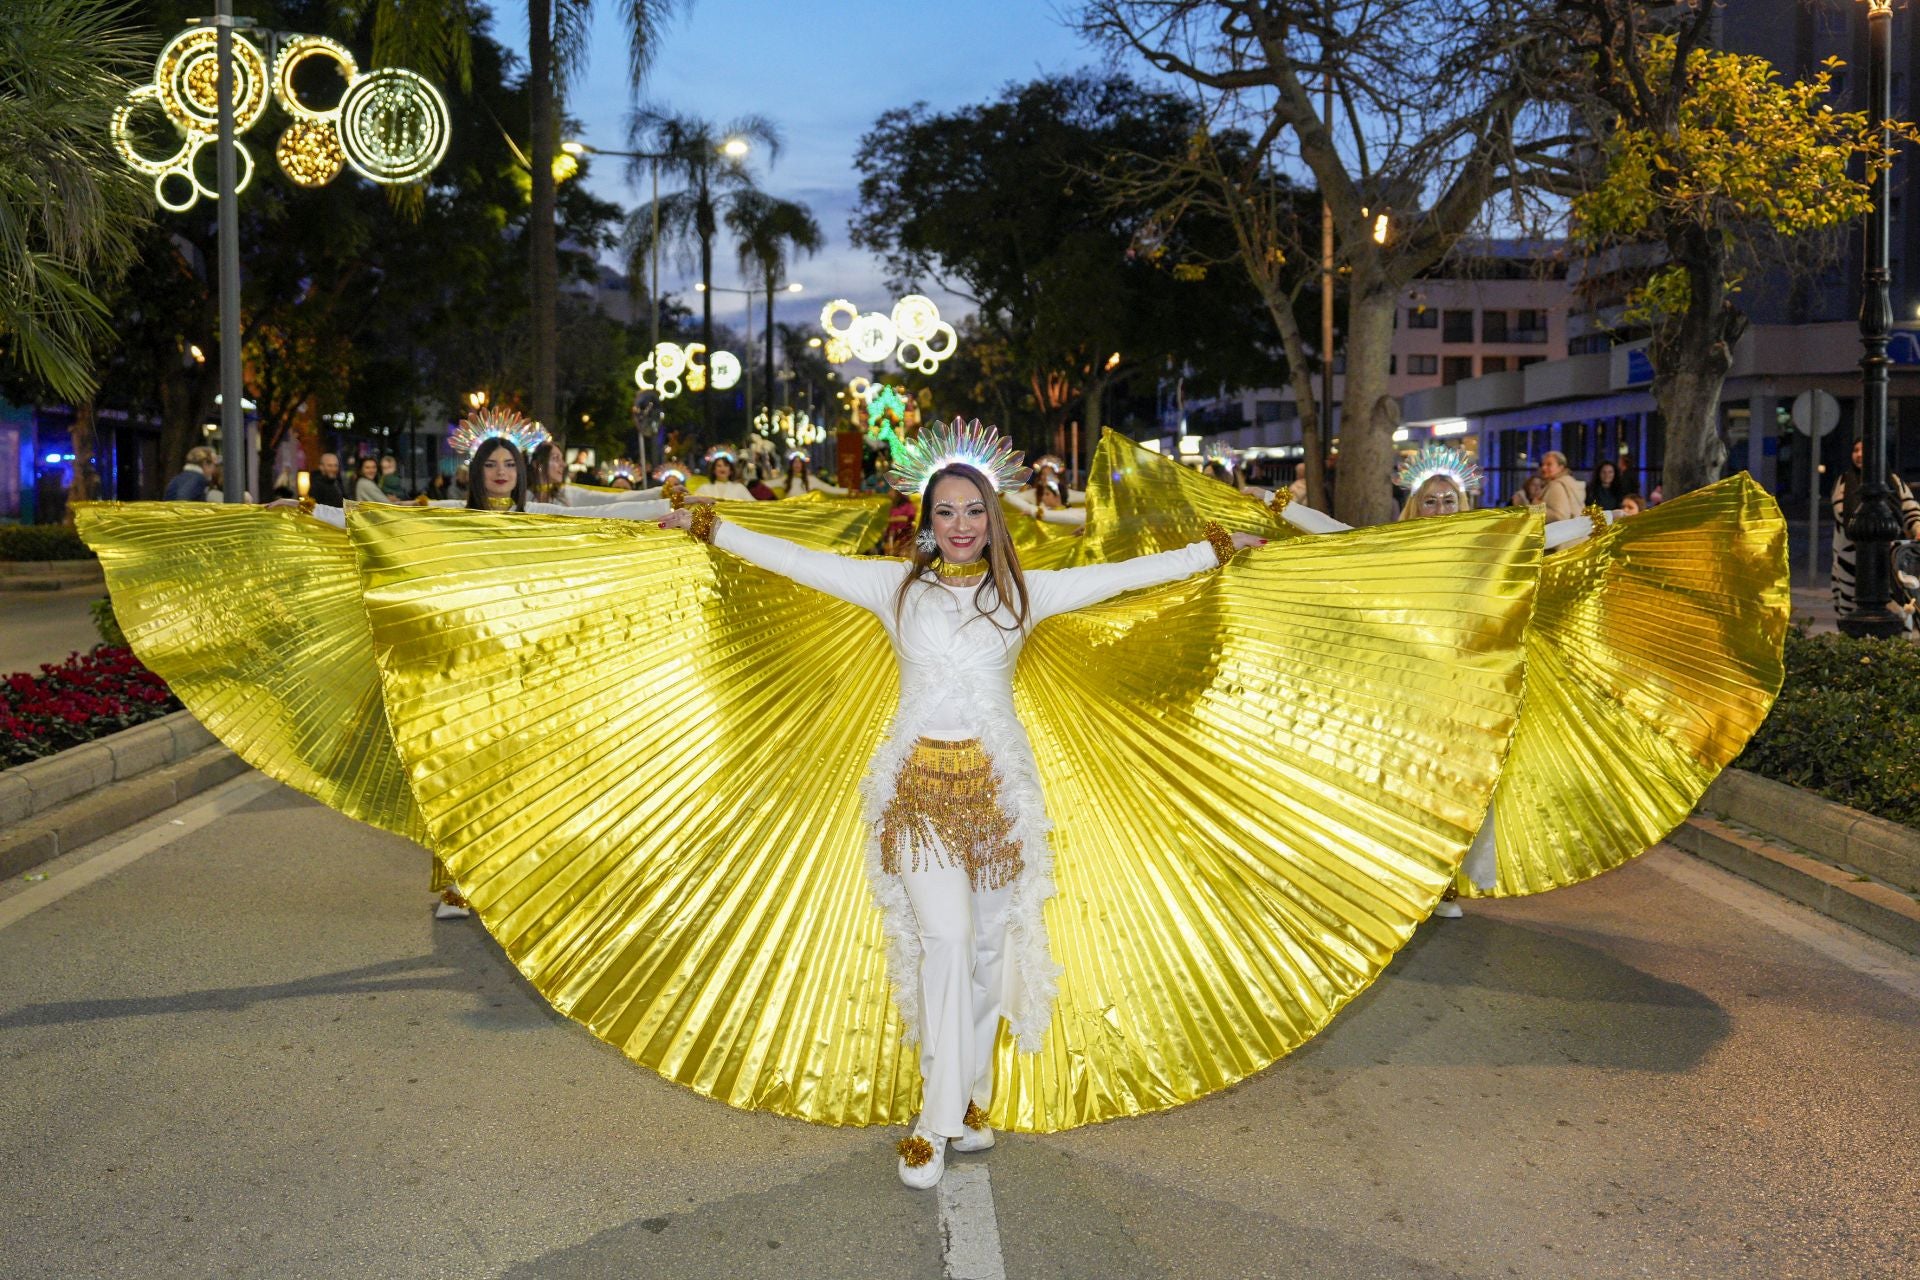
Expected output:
(946, 811)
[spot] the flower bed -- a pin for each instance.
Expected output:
(88, 696)
(1847, 724)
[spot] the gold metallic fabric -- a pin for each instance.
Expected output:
(946, 812)
(640, 757)
(1655, 653)
(253, 618)
(1041, 545)
(848, 526)
(1139, 502)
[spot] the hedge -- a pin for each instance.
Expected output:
(1847, 724)
(42, 542)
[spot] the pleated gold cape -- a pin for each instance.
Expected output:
(640, 756)
(253, 618)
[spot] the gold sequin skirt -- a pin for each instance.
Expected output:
(946, 811)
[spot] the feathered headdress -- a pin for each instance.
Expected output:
(669, 471)
(496, 424)
(623, 469)
(1439, 460)
(1224, 457)
(983, 448)
(720, 451)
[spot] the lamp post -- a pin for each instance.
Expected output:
(751, 290)
(1875, 524)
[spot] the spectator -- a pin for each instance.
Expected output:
(391, 482)
(1565, 497)
(366, 481)
(1845, 501)
(1607, 487)
(324, 486)
(440, 488)
(192, 483)
(1631, 504)
(1532, 493)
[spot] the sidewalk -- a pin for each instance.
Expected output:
(45, 626)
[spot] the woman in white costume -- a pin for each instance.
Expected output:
(799, 479)
(955, 796)
(723, 477)
(1045, 499)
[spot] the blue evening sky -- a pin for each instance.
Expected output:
(824, 72)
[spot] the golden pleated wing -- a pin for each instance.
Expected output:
(848, 526)
(1140, 502)
(1655, 653)
(1261, 781)
(640, 757)
(1041, 545)
(253, 618)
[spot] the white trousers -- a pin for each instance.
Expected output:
(963, 951)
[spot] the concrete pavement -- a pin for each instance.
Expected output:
(45, 626)
(239, 1047)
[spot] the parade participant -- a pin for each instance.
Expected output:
(549, 481)
(799, 478)
(723, 484)
(1048, 469)
(791, 957)
(1045, 500)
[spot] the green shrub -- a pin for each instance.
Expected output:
(42, 542)
(1847, 724)
(106, 623)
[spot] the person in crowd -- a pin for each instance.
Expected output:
(1845, 501)
(323, 486)
(1606, 486)
(366, 481)
(549, 482)
(1631, 504)
(723, 482)
(1564, 496)
(194, 480)
(392, 483)
(439, 489)
(1532, 493)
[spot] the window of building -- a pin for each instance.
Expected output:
(1522, 362)
(1455, 369)
(1493, 326)
(1423, 364)
(1393, 364)
(1493, 364)
(1529, 326)
(1456, 326)
(1268, 412)
(1422, 318)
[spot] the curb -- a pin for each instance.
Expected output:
(1845, 864)
(50, 575)
(51, 806)
(112, 808)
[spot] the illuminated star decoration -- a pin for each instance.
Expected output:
(390, 125)
(1439, 460)
(916, 461)
(490, 423)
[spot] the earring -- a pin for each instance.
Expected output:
(926, 542)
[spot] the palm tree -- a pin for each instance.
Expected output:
(70, 209)
(712, 177)
(432, 36)
(765, 227)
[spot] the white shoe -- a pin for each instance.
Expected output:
(979, 1136)
(1448, 909)
(923, 1158)
(451, 907)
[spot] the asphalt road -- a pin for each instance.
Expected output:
(232, 1043)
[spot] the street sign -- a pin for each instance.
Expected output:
(1815, 413)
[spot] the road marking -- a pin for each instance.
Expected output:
(1838, 942)
(970, 1232)
(171, 825)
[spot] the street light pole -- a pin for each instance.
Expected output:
(234, 484)
(1876, 523)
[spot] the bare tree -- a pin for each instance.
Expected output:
(1410, 116)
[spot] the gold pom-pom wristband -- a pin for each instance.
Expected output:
(1222, 541)
(1596, 513)
(1278, 503)
(703, 519)
(676, 494)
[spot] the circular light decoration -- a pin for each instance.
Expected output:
(873, 337)
(938, 352)
(298, 50)
(188, 78)
(310, 153)
(242, 157)
(915, 316)
(858, 388)
(839, 307)
(836, 351)
(724, 369)
(146, 96)
(393, 126)
(670, 359)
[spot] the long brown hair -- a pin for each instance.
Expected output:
(477, 474)
(1003, 560)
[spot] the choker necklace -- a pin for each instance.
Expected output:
(499, 504)
(961, 572)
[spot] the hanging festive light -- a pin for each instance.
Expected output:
(295, 53)
(187, 75)
(913, 333)
(310, 153)
(672, 368)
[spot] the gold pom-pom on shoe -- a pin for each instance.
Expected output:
(975, 1117)
(916, 1152)
(979, 1131)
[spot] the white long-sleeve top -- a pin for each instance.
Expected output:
(956, 682)
(726, 491)
(784, 486)
(574, 495)
(656, 510)
(1019, 500)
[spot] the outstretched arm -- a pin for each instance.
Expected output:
(869, 584)
(1052, 591)
(627, 510)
